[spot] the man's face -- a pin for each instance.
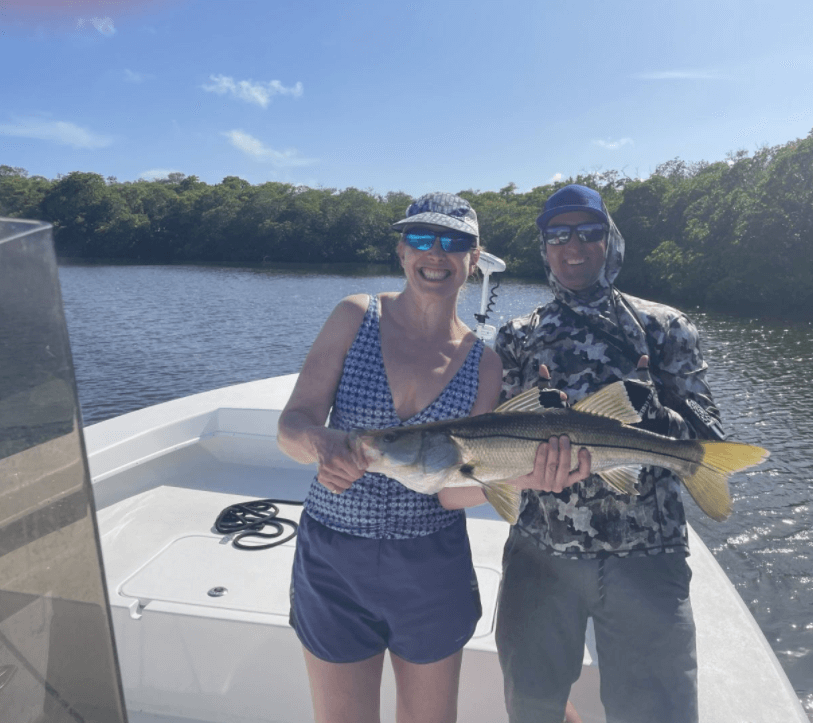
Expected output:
(576, 264)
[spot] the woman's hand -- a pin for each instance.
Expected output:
(552, 471)
(338, 466)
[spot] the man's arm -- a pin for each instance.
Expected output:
(680, 377)
(506, 349)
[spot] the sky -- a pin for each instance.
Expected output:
(418, 96)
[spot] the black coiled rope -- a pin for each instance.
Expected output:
(490, 305)
(247, 519)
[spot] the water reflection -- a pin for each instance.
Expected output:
(758, 372)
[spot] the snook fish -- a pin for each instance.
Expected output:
(490, 448)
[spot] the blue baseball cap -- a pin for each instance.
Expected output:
(572, 198)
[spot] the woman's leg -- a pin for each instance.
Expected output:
(427, 692)
(345, 692)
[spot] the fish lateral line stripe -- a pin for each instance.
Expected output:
(497, 435)
(593, 445)
(574, 443)
(664, 454)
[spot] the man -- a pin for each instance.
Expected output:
(588, 551)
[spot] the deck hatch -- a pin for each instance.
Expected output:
(192, 565)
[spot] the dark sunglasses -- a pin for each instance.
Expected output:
(423, 239)
(587, 232)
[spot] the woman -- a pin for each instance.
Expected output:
(379, 567)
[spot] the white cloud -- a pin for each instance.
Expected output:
(132, 76)
(614, 145)
(103, 25)
(554, 178)
(680, 75)
(255, 148)
(249, 91)
(62, 132)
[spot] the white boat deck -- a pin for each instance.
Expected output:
(161, 477)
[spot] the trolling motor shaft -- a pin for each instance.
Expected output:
(488, 264)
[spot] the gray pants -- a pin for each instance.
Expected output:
(645, 635)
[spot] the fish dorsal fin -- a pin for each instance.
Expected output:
(612, 401)
(528, 401)
(622, 479)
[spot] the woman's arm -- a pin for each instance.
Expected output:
(301, 432)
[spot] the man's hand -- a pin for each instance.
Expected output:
(644, 397)
(552, 471)
(549, 398)
(552, 464)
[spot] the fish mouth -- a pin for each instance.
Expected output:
(435, 274)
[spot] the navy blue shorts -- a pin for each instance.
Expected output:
(354, 597)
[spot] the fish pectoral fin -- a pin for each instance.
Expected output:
(623, 480)
(612, 401)
(504, 498)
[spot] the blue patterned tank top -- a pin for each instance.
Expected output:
(377, 506)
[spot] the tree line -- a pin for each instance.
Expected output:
(734, 234)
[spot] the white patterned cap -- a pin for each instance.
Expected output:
(441, 209)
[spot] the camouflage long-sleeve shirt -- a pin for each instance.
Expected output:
(588, 519)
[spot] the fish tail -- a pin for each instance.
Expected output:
(709, 484)
(504, 498)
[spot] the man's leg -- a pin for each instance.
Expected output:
(541, 622)
(645, 638)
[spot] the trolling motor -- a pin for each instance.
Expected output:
(488, 264)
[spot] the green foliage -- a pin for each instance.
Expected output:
(21, 196)
(737, 233)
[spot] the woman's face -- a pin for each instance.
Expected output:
(437, 271)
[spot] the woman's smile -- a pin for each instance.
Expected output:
(434, 274)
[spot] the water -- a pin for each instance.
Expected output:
(141, 335)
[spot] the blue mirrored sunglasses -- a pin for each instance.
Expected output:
(587, 233)
(423, 239)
